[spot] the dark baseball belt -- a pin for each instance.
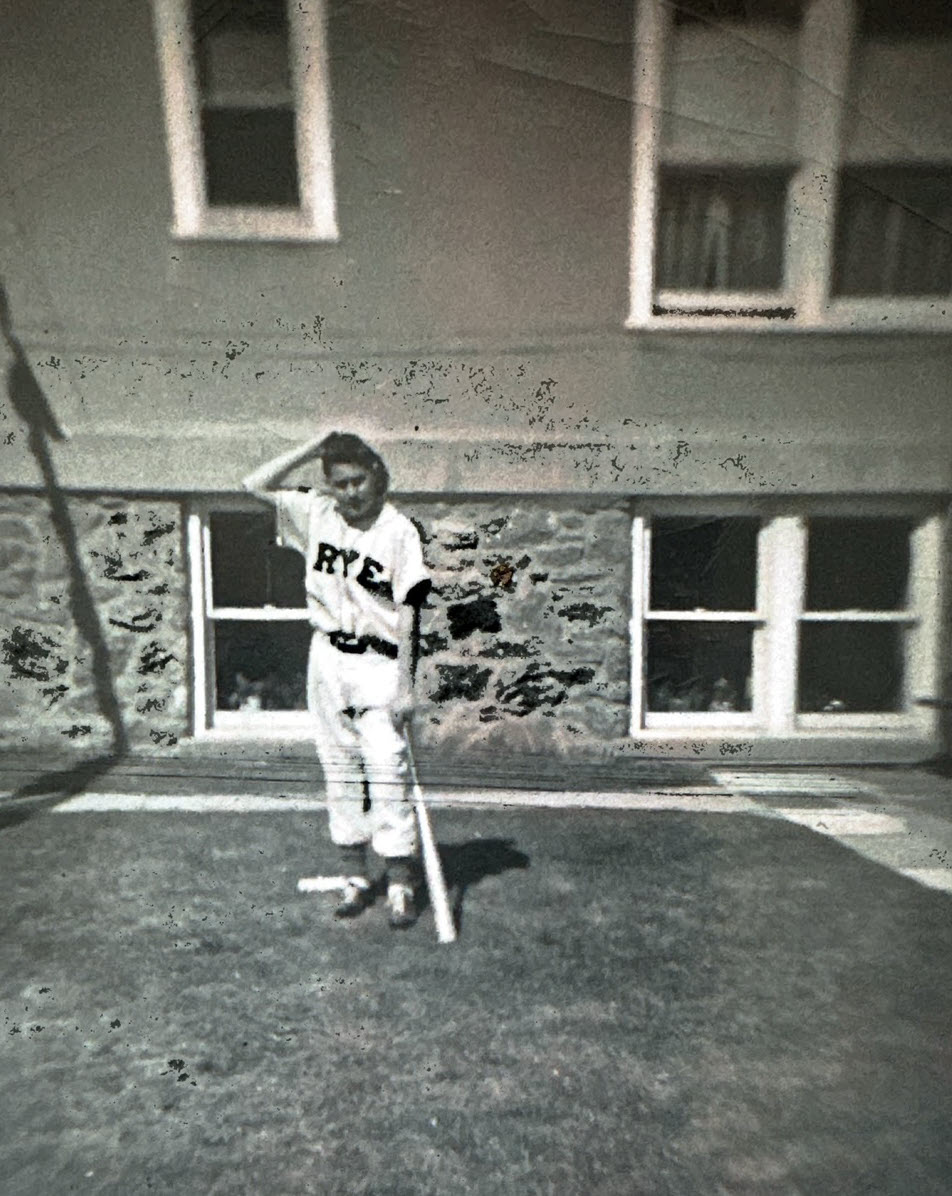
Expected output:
(345, 641)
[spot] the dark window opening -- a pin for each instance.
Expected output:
(772, 12)
(897, 20)
(699, 667)
(247, 101)
(704, 564)
(848, 668)
(248, 568)
(858, 564)
(894, 231)
(250, 157)
(721, 229)
(261, 666)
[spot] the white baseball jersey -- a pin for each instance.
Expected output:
(356, 580)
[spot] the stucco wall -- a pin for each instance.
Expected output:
(477, 294)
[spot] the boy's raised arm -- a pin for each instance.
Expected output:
(261, 482)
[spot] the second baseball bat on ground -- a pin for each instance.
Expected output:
(435, 881)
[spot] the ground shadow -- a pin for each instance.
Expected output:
(466, 864)
(66, 781)
(31, 405)
(50, 788)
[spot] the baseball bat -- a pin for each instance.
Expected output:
(435, 881)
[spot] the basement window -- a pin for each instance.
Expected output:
(250, 627)
(814, 621)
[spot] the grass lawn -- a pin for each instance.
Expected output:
(652, 1003)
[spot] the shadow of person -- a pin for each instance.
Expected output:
(66, 781)
(50, 788)
(31, 405)
(466, 864)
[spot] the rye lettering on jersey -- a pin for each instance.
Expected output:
(368, 577)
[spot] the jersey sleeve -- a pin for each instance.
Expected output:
(411, 581)
(293, 509)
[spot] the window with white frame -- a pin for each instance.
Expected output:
(247, 109)
(792, 164)
(817, 620)
(250, 627)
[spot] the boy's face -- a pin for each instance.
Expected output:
(355, 492)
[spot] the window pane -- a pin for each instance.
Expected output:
(699, 666)
(894, 232)
(730, 83)
(850, 667)
(782, 12)
(858, 564)
(921, 18)
(897, 109)
(261, 666)
(242, 51)
(721, 229)
(248, 568)
(704, 564)
(250, 157)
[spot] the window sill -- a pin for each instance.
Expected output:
(258, 224)
(728, 314)
(291, 725)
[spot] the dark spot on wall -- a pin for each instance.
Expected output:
(29, 655)
(155, 533)
(583, 612)
(160, 590)
(488, 715)
(510, 650)
(53, 693)
(466, 681)
(76, 730)
(432, 641)
(538, 687)
(163, 738)
(494, 526)
(115, 563)
(466, 617)
(119, 518)
(456, 591)
(502, 575)
(461, 542)
(536, 578)
(145, 622)
(154, 658)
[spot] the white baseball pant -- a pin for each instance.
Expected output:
(360, 746)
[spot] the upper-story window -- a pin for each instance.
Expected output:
(247, 118)
(792, 164)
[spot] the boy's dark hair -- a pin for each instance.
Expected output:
(344, 448)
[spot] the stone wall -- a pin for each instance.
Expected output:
(525, 639)
(93, 630)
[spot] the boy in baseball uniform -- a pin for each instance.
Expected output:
(365, 580)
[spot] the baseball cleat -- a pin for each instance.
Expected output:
(403, 912)
(355, 898)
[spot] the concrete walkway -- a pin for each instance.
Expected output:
(898, 817)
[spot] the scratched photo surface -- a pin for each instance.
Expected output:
(644, 305)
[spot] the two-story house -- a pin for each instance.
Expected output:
(647, 303)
